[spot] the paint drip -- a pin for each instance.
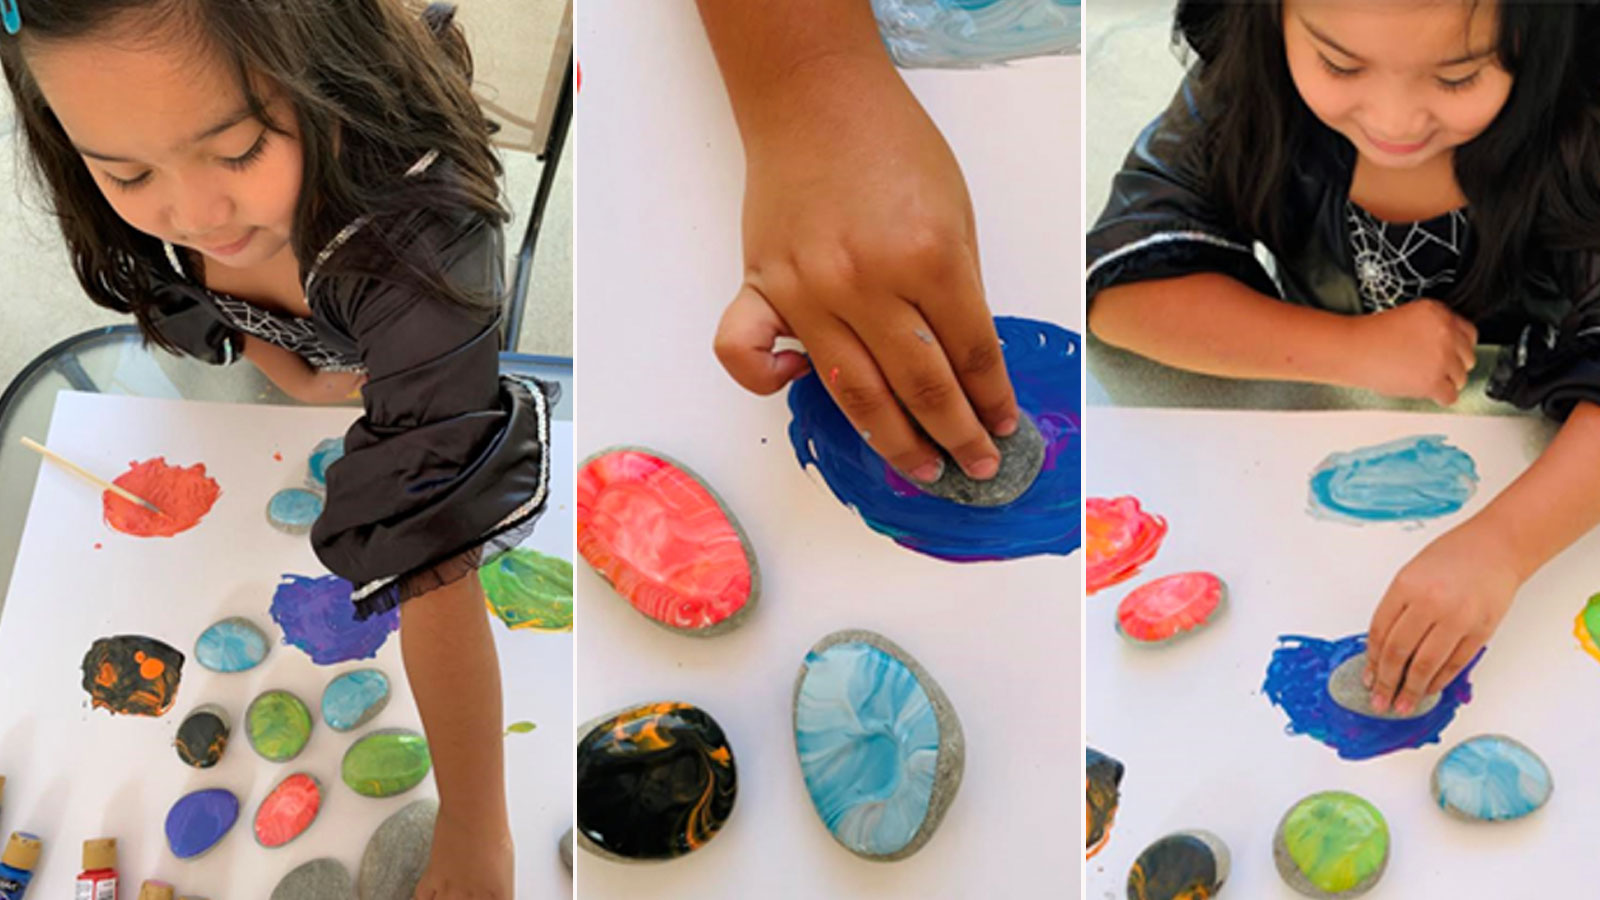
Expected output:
(1122, 537)
(1405, 480)
(1297, 682)
(184, 496)
(132, 675)
(318, 616)
(1042, 360)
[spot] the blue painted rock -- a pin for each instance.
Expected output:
(354, 699)
(199, 820)
(880, 747)
(397, 854)
(325, 454)
(288, 810)
(203, 736)
(1188, 865)
(294, 510)
(386, 763)
(1491, 778)
(319, 879)
(232, 645)
(278, 725)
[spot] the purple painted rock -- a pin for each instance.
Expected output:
(199, 820)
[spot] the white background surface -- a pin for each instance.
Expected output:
(76, 773)
(1206, 749)
(659, 258)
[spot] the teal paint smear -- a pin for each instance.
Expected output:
(971, 33)
(1409, 479)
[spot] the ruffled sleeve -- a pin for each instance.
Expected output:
(187, 321)
(1554, 364)
(450, 457)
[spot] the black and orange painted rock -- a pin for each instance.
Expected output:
(1102, 781)
(1187, 865)
(655, 782)
(132, 675)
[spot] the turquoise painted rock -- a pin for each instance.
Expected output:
(1491, 778)
(199, 820)
(203, 737)
(1188, 865)
(386, 763)
(397, 854)
(294, 510)
(319, 879)
(880, 747)
(232, 645)
(279, 725)
(354, 699)
(325, 454)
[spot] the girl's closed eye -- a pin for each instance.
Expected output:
(1337, 70)
(1460, 84)
(243, 160)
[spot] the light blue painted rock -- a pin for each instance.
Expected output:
(880, 746)
(231, 645)
(294, 510)
(354, 699)
(324, 455)
(1491, 778)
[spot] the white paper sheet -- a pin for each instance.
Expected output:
(76, 773)
(1203, 746)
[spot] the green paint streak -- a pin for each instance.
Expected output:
(521, 728)
(1591, 618)
(279, 725)
(527, 589)
(1337, 839)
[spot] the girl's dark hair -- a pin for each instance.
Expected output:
(375, 86)
(1532, 178)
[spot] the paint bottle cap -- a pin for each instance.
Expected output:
(155, 890)
(22, 851)
(100, 853)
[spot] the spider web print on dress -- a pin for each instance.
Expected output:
(1397, 263)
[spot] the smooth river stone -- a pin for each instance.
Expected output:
(279, 725)
(1170, 607)
(1102, 782)
(564, 848)
(203, 736)
(1491, 778)
(319, 879)
(880, 747)
(665, 542)
(231, 645)
(294, 510)
(1346, 689)
(199, 820)
(655, 782)
(1188, 865)
(354, 699)
(526, 589)
(386, 763)
(1021, 458)
(1332, 844)
(288, 810)
(325, 454)
(397, 854)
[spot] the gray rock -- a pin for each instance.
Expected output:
(565, 849)
(319, 879)
(397, 854)
(1346, 689)
(1021, 458)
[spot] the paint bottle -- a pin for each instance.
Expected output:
(155, 890)
(98, 880)
(17, 863)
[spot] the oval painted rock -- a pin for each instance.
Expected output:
(1188, 865)
(319, 879)
(279, 725)
(527, 589)
(203, 737)
(132, 675)
(354, 699)
(288, 810)
(880, 747)
(325, 454)
(231, 645)
(664, 541)
(199, 820)
(1491, 778)
(397, 853)
(1332, 844)
(655, 782)
(1170, 607)
(1102, 781)
(294, 510)
(1346, 689)
(1587, 627)
(386, 763)
(1121, 537)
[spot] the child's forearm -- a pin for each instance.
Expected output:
(1216, 325)
(455, 677)
(295, 377)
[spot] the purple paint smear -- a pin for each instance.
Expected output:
(1297, 681)
(317, 616)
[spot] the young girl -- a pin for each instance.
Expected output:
(1426, 176)
(309, 185)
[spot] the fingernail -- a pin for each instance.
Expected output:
(984, 469)
(1403, 707)
(1366, 678)
(1006, 428)
(1379, 703)
(929, 472)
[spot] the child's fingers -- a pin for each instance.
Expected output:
(965, 328)
(1445, 391)
(1458, 661)
(1403, 638)
(1435, 650)
(744, 340)
(1383, 619)
(863, 394)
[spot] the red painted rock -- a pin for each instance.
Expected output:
(288, 811)
(1121, 537)
(664, 541)
(1170, 606)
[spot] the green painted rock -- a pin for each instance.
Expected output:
(527, 589)
(1332, 844)
(386, 763)
(279, 725)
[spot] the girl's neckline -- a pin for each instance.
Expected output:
(1397, 223)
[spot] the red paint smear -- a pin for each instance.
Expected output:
(288, 811)
(833, 375)
(97, 545)
(277, 456)
(1120, 538)
(184, 496)
(1169, 606)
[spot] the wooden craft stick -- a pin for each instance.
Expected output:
(88, 476)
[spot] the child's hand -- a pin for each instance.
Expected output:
(859, 241)
(1438, 613)
(467, 863)
(1419, 349)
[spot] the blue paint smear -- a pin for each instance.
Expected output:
(1493, 779)
(350, 699)
(969, 33)
(231, 645)
(318, 616)
(1297, 681)
(295, 508)
(1043, 361)
(1409, 479)
(325, 454)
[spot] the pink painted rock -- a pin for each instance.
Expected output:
(1170, 606)
(1120, 537)
(664, 541)
(288, 811)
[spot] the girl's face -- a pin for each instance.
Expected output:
(1404, 80)
(167, 135)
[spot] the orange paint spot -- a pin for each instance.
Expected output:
(98, 545)
(107, 675)
(151, 668)
(277, 456)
